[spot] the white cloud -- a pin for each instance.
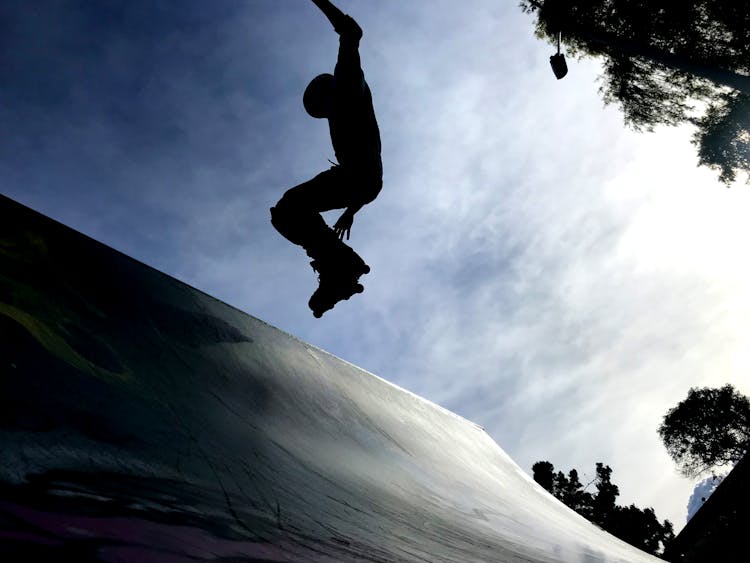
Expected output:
(702, 491)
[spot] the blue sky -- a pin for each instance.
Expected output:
(537, 268)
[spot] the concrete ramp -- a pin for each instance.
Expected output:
(142, 420)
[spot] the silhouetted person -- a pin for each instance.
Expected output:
(344, 99)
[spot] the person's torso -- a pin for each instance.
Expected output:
(354, 130)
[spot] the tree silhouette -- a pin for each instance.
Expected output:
(638, 527)
(667, 63)
(544, 474)
(573, 494)
(603, 506)
(708, 429)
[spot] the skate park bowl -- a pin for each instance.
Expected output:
(143, 420)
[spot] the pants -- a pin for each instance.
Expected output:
(297, 214)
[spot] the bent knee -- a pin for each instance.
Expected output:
(285, 206)
(288, 211)
(292, 201)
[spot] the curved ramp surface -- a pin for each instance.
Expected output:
(142, 420)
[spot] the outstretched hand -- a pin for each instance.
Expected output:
(342, 23)
(344, 225)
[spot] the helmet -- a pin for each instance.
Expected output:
(317, 95)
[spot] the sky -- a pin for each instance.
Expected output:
(537, 267)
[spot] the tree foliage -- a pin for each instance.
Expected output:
(708, 429)
(667, 63)
(640, 528)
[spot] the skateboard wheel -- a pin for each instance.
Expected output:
(366, 269)
(359, 288)
(317, 314)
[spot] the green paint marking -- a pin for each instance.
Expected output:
(57, 346)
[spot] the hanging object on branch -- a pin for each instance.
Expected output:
(559, 66)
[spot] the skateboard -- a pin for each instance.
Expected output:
(338, 281)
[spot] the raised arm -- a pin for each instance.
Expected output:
(348, 66)
(344, 25)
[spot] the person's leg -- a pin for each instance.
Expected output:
(297, 214)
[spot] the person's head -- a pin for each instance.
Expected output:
(317, 97)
